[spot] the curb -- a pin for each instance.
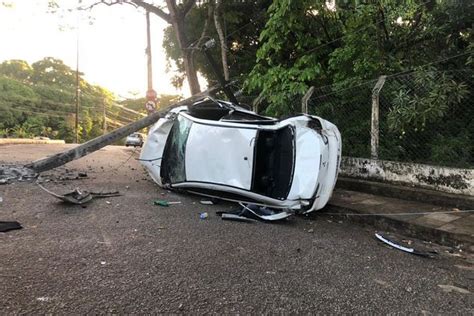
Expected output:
(406, 193)
(29, 141)
(405, 228)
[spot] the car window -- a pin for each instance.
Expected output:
(172, 167)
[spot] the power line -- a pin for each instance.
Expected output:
(127, 109)
(118, 117)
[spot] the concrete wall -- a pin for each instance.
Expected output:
(451, 180)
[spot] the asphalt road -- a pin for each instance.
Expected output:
(124, 255)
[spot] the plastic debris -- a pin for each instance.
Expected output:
(452, 288)
(427, 254)
(234, 217)
(1, 199)
(165, 203)
(259, 212)
(203, 215)
(7, 226)
(206, 202)
(80, 197)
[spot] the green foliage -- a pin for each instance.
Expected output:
(39, 100)
(428, 99)
(243, 21)
(305, 43)
(16, 69)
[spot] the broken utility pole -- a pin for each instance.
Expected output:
(97, 143)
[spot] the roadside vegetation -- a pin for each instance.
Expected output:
(274, 51)
(38, 100)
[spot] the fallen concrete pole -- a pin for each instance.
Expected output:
(97, 143)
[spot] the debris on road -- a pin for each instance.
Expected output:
(7, 226)
(14, 172)
(235, 217)
(71, 176)
(451, 288)
(80, 197)
(203, 215)
(206, 202)
(165, 203)
(258, 212)
(422, 253)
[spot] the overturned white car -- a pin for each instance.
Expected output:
(217, 149)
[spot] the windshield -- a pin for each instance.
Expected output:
(172, 166)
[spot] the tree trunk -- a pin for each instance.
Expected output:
(222, 39)
(176, 18)
(177, 21)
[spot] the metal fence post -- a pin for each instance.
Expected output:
(256, 103)
(374, 126)
(305, 99)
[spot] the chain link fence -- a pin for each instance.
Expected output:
(425, 116)
(349, 108)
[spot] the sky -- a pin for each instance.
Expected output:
(111, 50)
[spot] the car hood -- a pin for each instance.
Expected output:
(220, 155)
(152, 150)
(307, 163)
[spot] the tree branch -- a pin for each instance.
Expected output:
(187, 6)
(210, 12)
(153, 9)
(107, 3)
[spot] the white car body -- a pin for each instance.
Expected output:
(287, 164)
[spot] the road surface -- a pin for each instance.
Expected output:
(124, 255)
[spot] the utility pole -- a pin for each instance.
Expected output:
(150, 93)
(78, 89)
(97, 143)
(104, 117)
(76, 125)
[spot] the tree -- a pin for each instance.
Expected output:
(308, 44)
(241, 23)
(176, 16)
(38, 100)
(16, 69)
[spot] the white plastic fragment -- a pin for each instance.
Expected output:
(451, 288)
(206, 202)
(394, 245)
